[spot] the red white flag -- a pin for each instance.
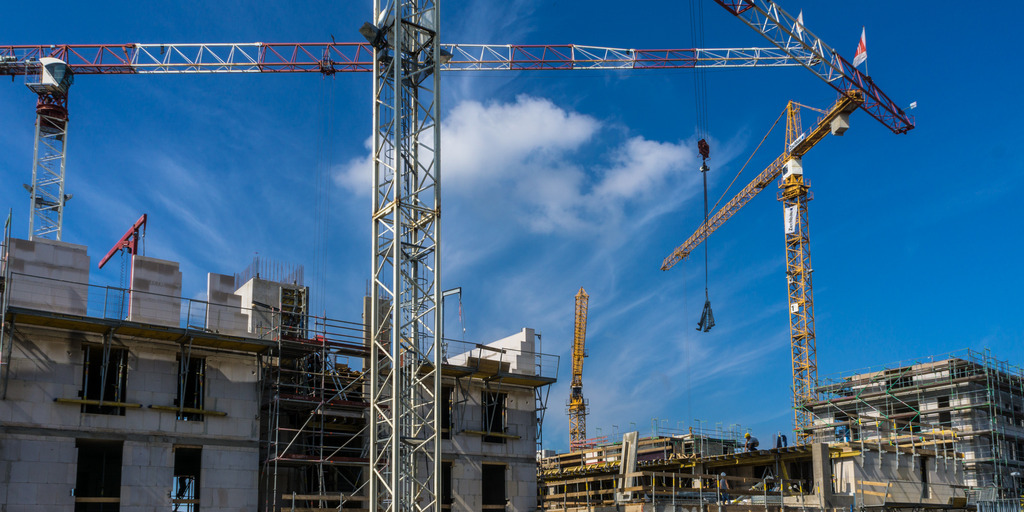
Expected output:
(862, 50)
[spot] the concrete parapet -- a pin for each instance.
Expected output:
(224, 311)
(155, 292)
(50, 276)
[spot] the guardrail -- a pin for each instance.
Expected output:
(64, 297)
(503, 360)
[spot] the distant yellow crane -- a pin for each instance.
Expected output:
(577, 404)
(794, 195)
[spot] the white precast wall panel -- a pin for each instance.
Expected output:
(49, 275)
(155, 292)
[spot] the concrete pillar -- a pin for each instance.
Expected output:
(822, 474)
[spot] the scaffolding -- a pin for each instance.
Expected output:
(5, 279)
(313, 417)
(965, 402)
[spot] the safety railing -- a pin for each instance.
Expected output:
(64, 297)
(500, 360)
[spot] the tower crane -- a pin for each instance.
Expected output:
(50, 69)
(577, 404)
(856, 90)
(794, 196)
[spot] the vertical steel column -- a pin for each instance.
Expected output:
(46, 208)
(405, 351)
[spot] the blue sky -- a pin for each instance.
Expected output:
(556, 180)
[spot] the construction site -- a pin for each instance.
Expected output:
(251, 395)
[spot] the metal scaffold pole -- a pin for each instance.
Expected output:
(405, 349)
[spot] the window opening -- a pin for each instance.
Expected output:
(945, 417)
(98, 480)
(191, 387)
(494, 416)
(493, 483)
(446, 411)
(446, 485)
(104, 378)
(187, 466)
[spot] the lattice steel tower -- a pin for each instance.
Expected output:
(795, 195)
(46, 194)
(405, 350)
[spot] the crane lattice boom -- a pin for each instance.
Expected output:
(330, 58)
(762, 180)
(793, 38)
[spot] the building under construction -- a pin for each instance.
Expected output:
(701, 471)
(970, 403)
(943, 433)
(140, 399)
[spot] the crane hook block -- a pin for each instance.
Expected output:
(703, 148)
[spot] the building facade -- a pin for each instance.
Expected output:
(109, 403)
(139, 399)
(972, 405)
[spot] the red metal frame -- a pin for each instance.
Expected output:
(129, 241)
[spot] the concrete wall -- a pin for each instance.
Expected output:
(147, 476)
(37, 473)
(155, 292)
(224, 311)
(468, 452)
(518, 356)
(55, 276)
(38, 458)
(872, 476)
(256, 295)
(231, 482)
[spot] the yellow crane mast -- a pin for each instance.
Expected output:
(577, 404)
(794, 195)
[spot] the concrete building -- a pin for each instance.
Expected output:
(815, 477)
(139, 399)
(113, 400)
(972, 404)
(491, 397)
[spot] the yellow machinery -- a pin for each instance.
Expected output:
(794, 195)
(577, 404)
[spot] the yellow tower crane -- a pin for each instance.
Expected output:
(577, 404)
(794, 195)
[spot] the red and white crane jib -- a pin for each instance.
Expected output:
(330, 58)
(784, 32)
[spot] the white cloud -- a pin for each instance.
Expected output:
(640, 165)
(548, 167)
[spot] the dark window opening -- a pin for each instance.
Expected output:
(187, 465)
(925, 490)
(494, 416)
(191, 387)
(945, 417)
(98, 476)
(493, 483)
(104, 382)
(446, 485)
(446, 412)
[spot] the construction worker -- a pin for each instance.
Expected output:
(751, 443)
